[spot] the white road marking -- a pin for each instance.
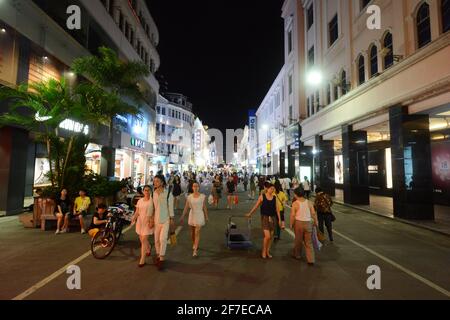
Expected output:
(56, 274)
(391, 262)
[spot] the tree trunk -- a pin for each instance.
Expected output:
(52, 177)
(69, 150)
(109, 153)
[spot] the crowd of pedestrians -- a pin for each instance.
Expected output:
(155, 205)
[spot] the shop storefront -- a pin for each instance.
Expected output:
(93, 157)
(133, 159)
(440, 162)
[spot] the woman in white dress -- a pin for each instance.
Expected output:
(144, 224)
(198, 215)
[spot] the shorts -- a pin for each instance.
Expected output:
(268, 223)
(72, 215)
(64, 214)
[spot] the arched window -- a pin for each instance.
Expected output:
(361, 70)
(445, 11)
(373, 61)
(389, 57)
(344, 82)
(328, 93)
(423, 25)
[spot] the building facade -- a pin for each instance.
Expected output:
(174, 131)
(36, 45)
(377, 100)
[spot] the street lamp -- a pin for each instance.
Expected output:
(314, 78)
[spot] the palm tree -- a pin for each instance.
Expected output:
(120, 80)
(40, 108)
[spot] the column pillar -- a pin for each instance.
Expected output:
(13, 152)
(356, 174)
(411, 165)
(324, 165)
(291, 162)
(282, 164)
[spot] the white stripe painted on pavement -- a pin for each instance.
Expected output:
(56, 274)
(398, 266)
(391, 262)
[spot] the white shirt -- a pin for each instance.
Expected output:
(156, 204)
(306, 186)
(303, 212)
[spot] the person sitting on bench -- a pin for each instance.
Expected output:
(81, 207)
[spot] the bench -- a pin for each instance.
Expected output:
(50, 221)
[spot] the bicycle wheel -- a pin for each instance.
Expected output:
(103, 244)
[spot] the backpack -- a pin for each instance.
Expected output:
(323, 203)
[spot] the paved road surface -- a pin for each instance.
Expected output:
(414, 263)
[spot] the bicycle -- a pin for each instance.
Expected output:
(104, 241)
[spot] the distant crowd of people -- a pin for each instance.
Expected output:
(155, 203)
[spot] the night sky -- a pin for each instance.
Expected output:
(223, 55)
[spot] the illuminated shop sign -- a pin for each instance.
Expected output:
(137, 143)
(74, 126)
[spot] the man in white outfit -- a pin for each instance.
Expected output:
(164, 218)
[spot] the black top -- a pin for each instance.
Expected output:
(98, 226)
(176, 189)
(64, 204)
(230, 186)
(269, 208)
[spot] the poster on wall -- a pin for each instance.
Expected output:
(339, 169)
(440, 156)
(41, 169)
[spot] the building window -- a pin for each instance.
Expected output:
(310, 18)
(423, 25)
(291, 115)
(364, 3)
(328, 94)
(111, 8)
(336, 92)
(127, 30)
(333, 31)
(163, 128)
(389, 57)
(317, 104)
(290, 84)
(158, 109)
(373, 61)
(445, 11)
(121, 22)
(361, 70)
(289, 41)
(311, 56)
(344, 83)
(307, 107)
(157, 127)
(163, 111)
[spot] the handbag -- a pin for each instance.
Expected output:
(172, 235)
(320, 236)
(333, 217)
(315, 240)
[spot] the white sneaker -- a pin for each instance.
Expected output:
(57, 232)
(63, 231)
(83, 231)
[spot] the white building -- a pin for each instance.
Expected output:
(201, 146)
(174, 132)
(376, 104)
(36, 45)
